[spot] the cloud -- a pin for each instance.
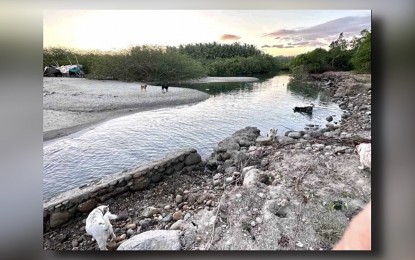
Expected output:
(322, 34)
(279, 46)
(228, 37)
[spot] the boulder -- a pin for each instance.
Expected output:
(87, 206)
(285, 140)
(294, 135)
(192, 159)
(153, 240)
(251, 177)
(59, 218)
(263, 140)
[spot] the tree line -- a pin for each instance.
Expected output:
(342, 55)
(168, 64)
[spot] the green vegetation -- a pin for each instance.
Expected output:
(169, 64)
(342, 55)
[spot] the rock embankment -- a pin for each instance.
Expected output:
(297, 192)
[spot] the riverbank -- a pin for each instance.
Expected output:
(73, 104)
(298, 192)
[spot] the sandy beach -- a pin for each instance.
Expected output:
(72, 104)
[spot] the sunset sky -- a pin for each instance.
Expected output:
(281, 32)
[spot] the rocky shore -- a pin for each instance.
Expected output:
(297, 192)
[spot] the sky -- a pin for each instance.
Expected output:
(276, 32)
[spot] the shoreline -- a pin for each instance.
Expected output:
(71, 105)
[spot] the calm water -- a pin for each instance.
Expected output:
(132, 140)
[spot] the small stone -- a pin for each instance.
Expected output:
(308, 149)
(261, 195)
(258, 220)
(150, 211)
(329, 118)
(131, 226)
(144, 223)
(167, 218)
(294, 135)
(130, 232)
(253, 223)
(299, 244)
(238, 195)
(167, 207)
(75, 243)
(185, 207)
(229, 180)
(178, 215)
(187, 216)
(179, 198)
(208, 203)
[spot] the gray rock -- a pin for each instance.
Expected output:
(251, 177)
(330, 126)
(218, 176)
(263, 140)
(216, 182)
(192, 159)
(329, 118)
(340, 149)
(307, 136)
(130, 232)
(228, 144)
(315, 134)
(328, 134)
(144, 223)
(59, 218)
(308, 149)
(167, 218)
(179, 198)
(294, 135)
(318, 146)
(229, 180)
(285, 140)
(177, 225)
(153, 240)
(150, 211)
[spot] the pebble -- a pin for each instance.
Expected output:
(177, 215)
(299, 244)
(144, 223)
(229, 180)
(187, 216)
(185, 207)
(253, 223)
(258, 220)
(238, 195)
(167, 218)
(208, 203)
(179, 198)
(75, 243)
(130, 232)
(131, 226)
(308, 149)
(261, 195)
